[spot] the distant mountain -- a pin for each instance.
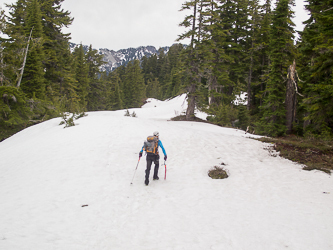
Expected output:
(114, 59)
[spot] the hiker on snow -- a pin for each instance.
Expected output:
(151, 148)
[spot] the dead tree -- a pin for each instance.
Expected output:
(24, 60)
(292, 90)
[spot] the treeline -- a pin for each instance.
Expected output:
(245, 46)
(41, 78)
(235, 47)
(158, 76)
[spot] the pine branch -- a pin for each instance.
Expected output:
(327, 9)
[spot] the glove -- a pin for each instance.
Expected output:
(140, 154)
(165, 157)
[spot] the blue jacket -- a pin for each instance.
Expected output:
(159, 144)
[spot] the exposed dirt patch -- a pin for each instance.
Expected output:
(314, 154)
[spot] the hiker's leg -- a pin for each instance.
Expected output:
(157, 163)
(149, 162)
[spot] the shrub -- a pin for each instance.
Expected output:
(218, 173)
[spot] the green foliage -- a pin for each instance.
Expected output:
(13, 108)
(33, 82)
(81, 76)
(116, 92)
(135, 82)
(127, 113)
(48, 84)
(2, 20)
(58, 65)
(162, 73)
(80, 115)
(316, 52)
(153, 89)
(234, 46)
(41, 110)
(69, 119)
(129, 86)
(243, 117)
(99, 90)
(13, 46)
(282, 54)
(223, 115)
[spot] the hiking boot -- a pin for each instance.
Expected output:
(146, 182)
(156, 178)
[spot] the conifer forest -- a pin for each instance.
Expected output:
(236, 47)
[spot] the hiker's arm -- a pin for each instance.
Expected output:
(161, 145)
(140, 154)
(143, 148)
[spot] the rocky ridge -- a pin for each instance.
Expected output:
(114, 59)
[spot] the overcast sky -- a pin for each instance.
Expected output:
(121, 24)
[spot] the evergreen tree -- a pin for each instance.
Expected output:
(235, 16)
(134, 87)
(177, 78)
(213, 54)
(13, 108)
(175, 73)
(14, 45)
(2, 65)
(243, 117)
(159, 72)
(98, 86)
(282, 54)
(164, 76)
(160, 64)
(153, 89)
(33, 78)
(262, 70)
(116, 101)
(316, 49)
(56, 47)
(190, 55)
(70, 100)
(149, 68)
(2, 20)
(81, 76)
(253, 48)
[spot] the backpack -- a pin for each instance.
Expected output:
(151, 145)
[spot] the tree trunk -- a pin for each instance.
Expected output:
(291, 97)
(2, 66)
(249, 94)
(191, 100)
(212, 87)
(24, 60)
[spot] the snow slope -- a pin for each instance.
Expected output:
(47, 173)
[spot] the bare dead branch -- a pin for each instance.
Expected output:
(24, 61)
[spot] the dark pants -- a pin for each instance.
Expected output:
(150, 159)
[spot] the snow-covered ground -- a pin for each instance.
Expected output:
(47, 174)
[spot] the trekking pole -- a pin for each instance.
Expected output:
(165, 171)
(135, 170)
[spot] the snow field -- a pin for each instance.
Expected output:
(47, 173)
